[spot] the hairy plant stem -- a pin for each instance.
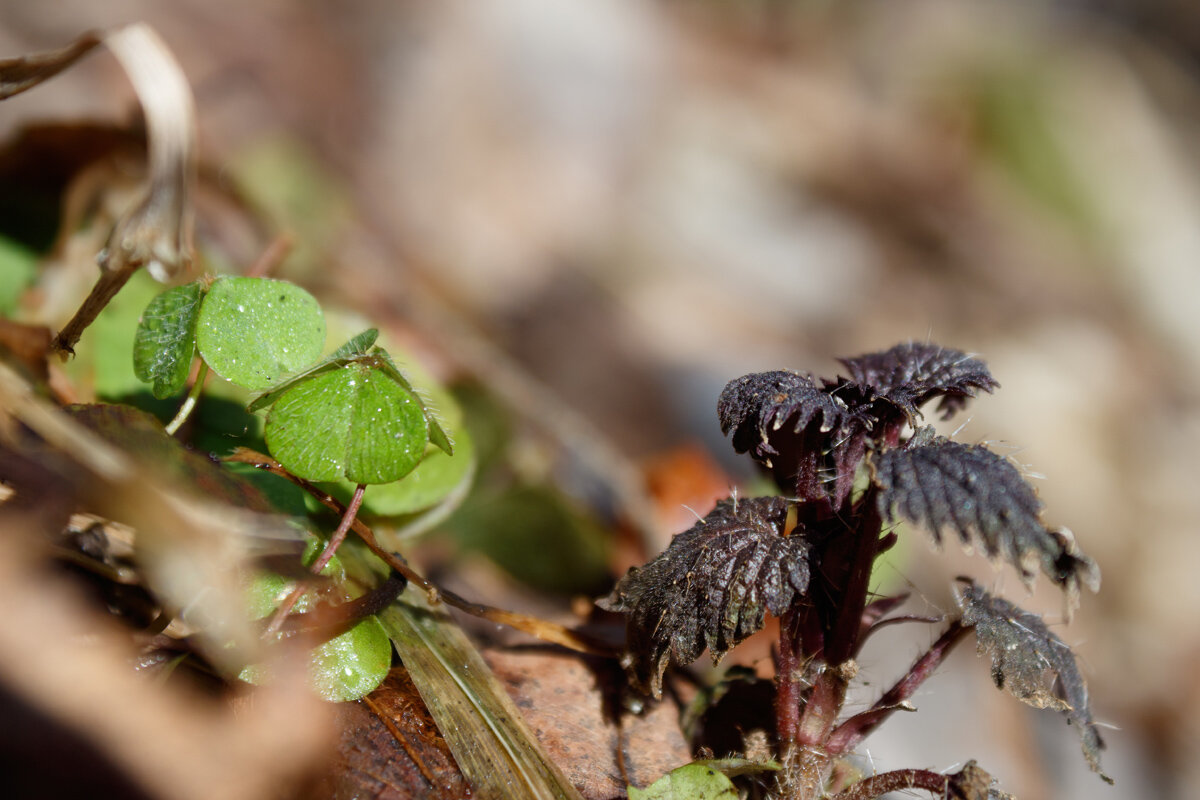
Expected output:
(844, 633)
(788, 689)
(848, 735)
(824, 638)
(899, 780)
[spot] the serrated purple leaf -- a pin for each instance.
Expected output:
(755, 406)
(811, 437)
(1031, 663)
(910, 375)
(711, 588)
(941, 484)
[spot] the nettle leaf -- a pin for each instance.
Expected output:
(1033, 664)
(810, 437)
(354, 422)
(165, 340)
(784, 417)
(711, 588)
(253, 331)
(941, 484)
(755, 406)
(910, 375)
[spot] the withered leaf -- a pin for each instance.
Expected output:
(910, 375)
(1033, 664)
(142, 436)
(711, 588)
(969, 783)
(389, 748)
(938, 483)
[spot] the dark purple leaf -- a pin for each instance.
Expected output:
(755, 406)
(938, 484)
(810, 437)
(1033, 664)
(910, 375)
(711, 588)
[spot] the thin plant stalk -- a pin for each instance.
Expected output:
(848, 735)
(189, 403)
(538, 628)
(322, 561)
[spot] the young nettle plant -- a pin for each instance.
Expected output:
(851, 460)
(352, 415)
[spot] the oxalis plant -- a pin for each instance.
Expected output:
(851, 459)
(349, 416)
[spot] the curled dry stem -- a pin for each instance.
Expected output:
(156, 233)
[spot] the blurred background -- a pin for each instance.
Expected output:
(606, 209)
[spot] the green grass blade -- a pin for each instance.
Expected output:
(494, 748)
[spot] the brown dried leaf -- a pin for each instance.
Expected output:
(25, 347)
(711, 588)
(389, 748)
(572, 705)
(969, 783)
(490, 741)
(142, 436)
(1033, 664)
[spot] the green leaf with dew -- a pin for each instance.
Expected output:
(165, 340)
(354, 422)
(353, 664)
(438, 435)
(252, 331)
(697, 781)
(357, 346)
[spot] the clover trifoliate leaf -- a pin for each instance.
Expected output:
(355, 348)
(353, 422)
(253, 331)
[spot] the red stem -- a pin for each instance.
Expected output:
(899, 780)
(823, 706)
(847, 735)
(787, 678)
(843, 638)
(322, 561)
(339, 535)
